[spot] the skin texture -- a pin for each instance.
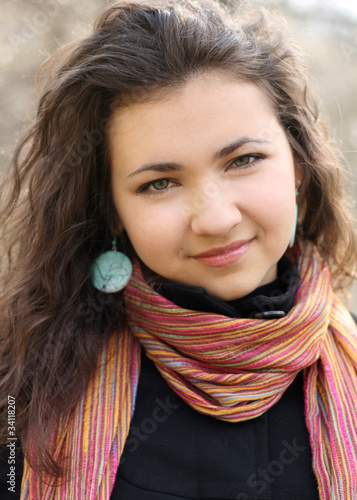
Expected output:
(198, 201)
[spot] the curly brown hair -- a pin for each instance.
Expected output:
(57, 212)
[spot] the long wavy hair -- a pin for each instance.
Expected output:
(57, 212)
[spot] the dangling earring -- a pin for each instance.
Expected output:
(111, 271)
(292, 241)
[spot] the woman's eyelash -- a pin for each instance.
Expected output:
(145, 187)
(253, 158)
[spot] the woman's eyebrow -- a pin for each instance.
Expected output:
(157, 167)
(170, 166)
(241, 141)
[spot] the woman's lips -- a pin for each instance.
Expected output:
(219, 257)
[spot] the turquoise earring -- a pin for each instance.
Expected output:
(292, 240)
(111, 271)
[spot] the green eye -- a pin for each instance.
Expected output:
(242, 161)
(160, 184)
(155, 187)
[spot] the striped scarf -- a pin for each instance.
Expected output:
(232, 369)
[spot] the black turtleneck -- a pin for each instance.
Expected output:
(175, 453)
(268, 301)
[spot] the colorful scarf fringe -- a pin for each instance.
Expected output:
(232, 369)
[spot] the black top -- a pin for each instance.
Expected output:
(175, 453)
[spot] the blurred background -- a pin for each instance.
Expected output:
(30, 30)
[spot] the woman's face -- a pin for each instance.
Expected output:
(204, 184)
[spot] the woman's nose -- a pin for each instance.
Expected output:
(214, 212)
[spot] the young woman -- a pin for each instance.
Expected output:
(174, 235)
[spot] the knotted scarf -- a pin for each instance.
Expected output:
(232, 369)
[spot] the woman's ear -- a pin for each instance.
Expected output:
(299, 173)
(120, 227)
(115, 225)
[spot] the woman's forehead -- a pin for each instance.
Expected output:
(194, 124)
(201, 96)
